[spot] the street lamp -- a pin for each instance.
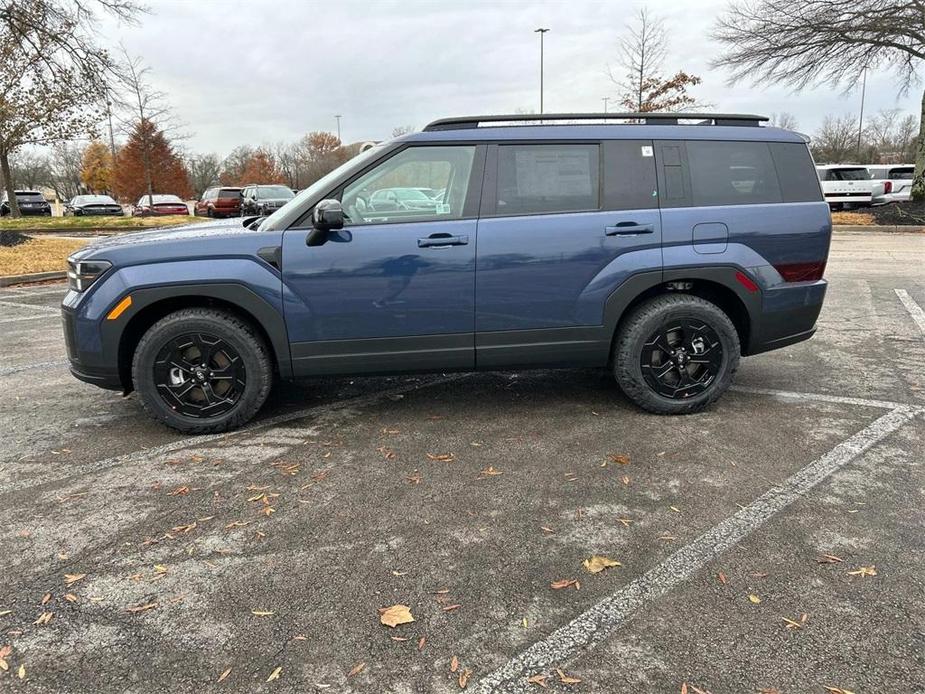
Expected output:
(861, 121)
(605, 100)
(338, 125)
(541, 31)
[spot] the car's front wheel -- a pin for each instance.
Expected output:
(675, 354)
(202, 371)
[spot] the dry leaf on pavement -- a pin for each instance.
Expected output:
(70, 579)
(224, 675)
(357, 669)
(275, 674)
(564, 583)
(464, 678)
(539, 680)
(864, 571)
(454, 664)
(395, 615)
(566, 679)
(754, 599)
(597, 563)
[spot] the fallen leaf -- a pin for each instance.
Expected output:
(261, 613)
(838, 690)
(675, 509)
(179, 491)
(464, 678)
(490, 472)
(546, 529)
(564, 583)
(722, 577)
(538, 680)
(566, 679)
(454, 664)
(21, 672)
(625, 480)
(625, 521)
(356, 669)
(70, 579)
(44, 618)
(864, 571)
(619, 458)
(46, 598)
(450, 608)
(224, 675)
(141, 608)
(684, 688)
(421, 643)
(3, 613)
(399, 638)
(442, 457)
(395, 615)
(275, 674)
(597, 563)
(829, 559)
(754, 599)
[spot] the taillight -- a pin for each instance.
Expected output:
(801, 272)
(887, 187)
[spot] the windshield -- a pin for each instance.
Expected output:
(93, 200)
(159, 199)
(226, 193)
(266, 192)
(29, 196)
(278, 220)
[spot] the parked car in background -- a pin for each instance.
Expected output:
(394, 199)
(848, 185)
(897, 180)
(264, 200)
(659, 251)
(84, 205)
(219, 202)
(159, 205)
(30, 202)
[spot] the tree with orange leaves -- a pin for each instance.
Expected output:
(168, 173)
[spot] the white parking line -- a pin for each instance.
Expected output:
(37, 307)
(44, 315)
(7, 371)
(918, 315)
(597, 623)
(818, 397)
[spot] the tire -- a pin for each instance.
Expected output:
(700, 322)
(209, 213)
(239, 340)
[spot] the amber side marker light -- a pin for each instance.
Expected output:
(120, 308)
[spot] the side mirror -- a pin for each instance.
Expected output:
(328, 215)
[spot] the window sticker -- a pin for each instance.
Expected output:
(647, 150)
(544, 173)
(443, 208)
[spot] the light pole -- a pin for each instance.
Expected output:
(338, 125)
(605, 100)
(861, 121)
(541, 31)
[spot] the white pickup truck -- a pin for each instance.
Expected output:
(848, 185)
(897, 180)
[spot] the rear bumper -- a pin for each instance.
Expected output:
(788, 315)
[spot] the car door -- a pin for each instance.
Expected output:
(563, 226)
(394, 290)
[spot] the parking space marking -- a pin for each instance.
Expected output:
(38, 307)
(146, 454)
(600, 621)
(7, 371)
(56, 314)
(918, 315)
(818, 397)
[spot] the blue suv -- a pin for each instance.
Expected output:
(659, 246)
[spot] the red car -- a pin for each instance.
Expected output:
(149, 205)
(219, 202)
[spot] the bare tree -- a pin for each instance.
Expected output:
(402, 130)
(784, 120)
(642, 53)
(836, 141)
(826, 42)
(890, 136)
(65, 162)
(31, 170)
(204, 170)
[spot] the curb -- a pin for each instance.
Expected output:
(890, 228)
(9, 280)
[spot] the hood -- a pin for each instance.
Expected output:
(200, 241)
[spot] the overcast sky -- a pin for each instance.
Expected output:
(264, 71)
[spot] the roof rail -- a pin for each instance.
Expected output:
(466, 122)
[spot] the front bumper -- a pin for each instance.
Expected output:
(85, 363)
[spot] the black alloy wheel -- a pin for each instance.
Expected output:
(682, 358)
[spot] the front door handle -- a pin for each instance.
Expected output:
(442, 241)
(628, 229)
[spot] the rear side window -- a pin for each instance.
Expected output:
(629, 175)
(903, 174)
(543, 179)
(732, 173)
(795, 172)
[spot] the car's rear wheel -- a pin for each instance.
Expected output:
(202, 371)
(675, 354)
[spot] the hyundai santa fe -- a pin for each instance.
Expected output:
(658, 246)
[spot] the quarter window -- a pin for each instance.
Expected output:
(417, 184)
(543, 179)
(732, 173)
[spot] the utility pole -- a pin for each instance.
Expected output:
(861, 122)
(112, 149)
(338, 125)
(541, 31)
(605, 100)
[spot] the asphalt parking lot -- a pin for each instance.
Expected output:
(772, 544)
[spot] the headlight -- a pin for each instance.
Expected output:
(82, 273)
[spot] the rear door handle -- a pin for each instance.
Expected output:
(442, 241)
(628, 229)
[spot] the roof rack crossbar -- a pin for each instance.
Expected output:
(466, 122)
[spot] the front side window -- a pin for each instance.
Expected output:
(392, 191)
(543, 179)
(732, 173)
